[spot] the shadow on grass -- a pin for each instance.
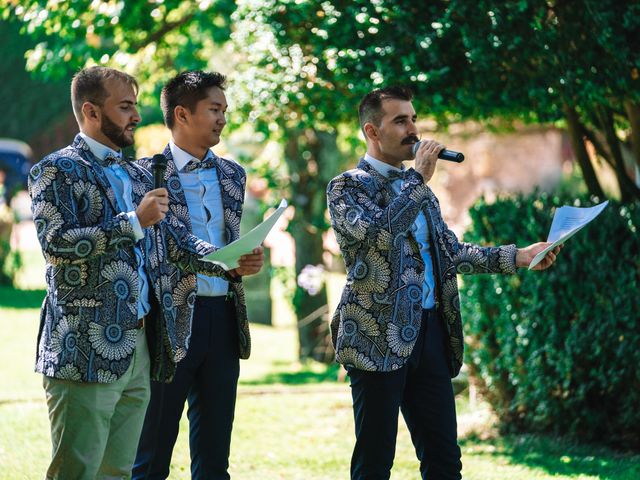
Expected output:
(13, 298)
(557, 456)
(305, 376)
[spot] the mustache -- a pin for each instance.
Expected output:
(410, 139)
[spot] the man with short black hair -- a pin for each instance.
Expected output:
(397, 328)
(206, 194)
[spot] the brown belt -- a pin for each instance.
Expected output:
(141, 322)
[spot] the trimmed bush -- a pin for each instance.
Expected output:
(559, 351)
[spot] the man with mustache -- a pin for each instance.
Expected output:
(397, 328)
(106, 276)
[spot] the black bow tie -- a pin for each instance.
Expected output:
(111, 159)
(192, 165)
(394, 175)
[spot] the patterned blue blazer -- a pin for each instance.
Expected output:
(232, 181)
(376, 324)
(89, 314)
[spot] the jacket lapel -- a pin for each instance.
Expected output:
(92, 162)
(171, 166)
(229, 183)
(174, 187)
(381, 183)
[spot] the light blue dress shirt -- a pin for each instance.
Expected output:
(420, 231)
(123, 191)
(204, 202)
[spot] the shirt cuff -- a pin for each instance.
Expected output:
(135, 223)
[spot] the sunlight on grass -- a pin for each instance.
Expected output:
(293, 421)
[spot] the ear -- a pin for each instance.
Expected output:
(89, 112)
(371, 131)
(181, 115)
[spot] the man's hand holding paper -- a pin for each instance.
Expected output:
(248, 247)
(525, 256)
(250, 264)
(567, 221)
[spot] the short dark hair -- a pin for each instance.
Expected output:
(370, 109)
(187, 89)
(88, 85)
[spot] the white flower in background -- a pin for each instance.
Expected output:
(311, 279)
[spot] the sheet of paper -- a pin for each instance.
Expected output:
(567, 221)
(228, 256)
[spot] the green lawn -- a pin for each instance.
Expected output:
(293, 420)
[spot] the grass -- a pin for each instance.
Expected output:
(293, 420)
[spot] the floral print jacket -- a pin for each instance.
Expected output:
(377, 321)
(89, 315)
(232, 187)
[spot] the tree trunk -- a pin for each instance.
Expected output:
(628, 190)
(633, 113)
(311, 157)
(582, 156)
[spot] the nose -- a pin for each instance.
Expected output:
(412, 128)
(136, 118)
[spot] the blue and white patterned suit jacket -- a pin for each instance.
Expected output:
(232, 182)
(89, 315)
(378, 318)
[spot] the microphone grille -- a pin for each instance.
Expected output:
(415, 147)
(159, 160)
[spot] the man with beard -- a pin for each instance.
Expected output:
(106, 272)
(397, 328)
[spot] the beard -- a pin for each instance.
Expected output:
(114, 133)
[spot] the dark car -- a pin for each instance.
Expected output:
(15, 162)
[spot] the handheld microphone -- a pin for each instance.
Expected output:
(444, 154)
(158, 167)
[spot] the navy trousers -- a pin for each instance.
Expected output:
(422, 390)
(207, 379)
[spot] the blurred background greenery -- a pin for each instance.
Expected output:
(543, 98)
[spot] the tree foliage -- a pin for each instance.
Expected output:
(531, 60)
(40, 101)
(152, 40)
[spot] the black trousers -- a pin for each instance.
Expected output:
(422, 390)
(207, 378)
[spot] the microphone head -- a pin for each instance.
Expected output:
(415, 147)
(159, 161)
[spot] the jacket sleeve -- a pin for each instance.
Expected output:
(185, 250)
(356, 218)
(469, 258)
(58, 207)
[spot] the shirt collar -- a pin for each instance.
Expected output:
(98, 149)
(381, 167)
(181, 158)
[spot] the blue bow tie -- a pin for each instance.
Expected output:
(394, 175)
(192, 165)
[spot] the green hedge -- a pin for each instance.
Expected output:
(559, 351)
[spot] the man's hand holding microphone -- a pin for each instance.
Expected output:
(155, 204)
(426, 158)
